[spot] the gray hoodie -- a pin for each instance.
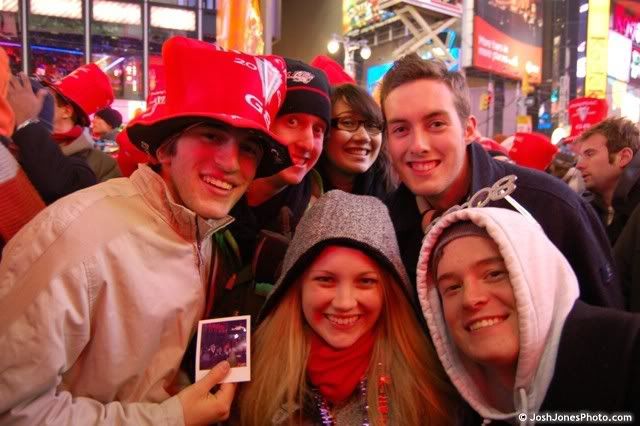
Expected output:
(545, 289)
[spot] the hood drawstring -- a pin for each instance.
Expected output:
(524, 400)
(524, 409)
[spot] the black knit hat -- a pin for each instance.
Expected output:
(110, 116)
(307, 91)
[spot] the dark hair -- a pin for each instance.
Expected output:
(412, 67)
(61, 101)
(618, 131)
(359, 100)
(362, 103)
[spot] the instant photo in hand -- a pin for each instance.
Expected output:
(225, 339)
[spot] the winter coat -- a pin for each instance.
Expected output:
(52, 173)
(103, 165)
(627, 255)
(625, 198)
(572, 356)
(100, 295)
(296, 198)
(19, 200)
(566, 219)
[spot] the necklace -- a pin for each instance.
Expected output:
(325, 413)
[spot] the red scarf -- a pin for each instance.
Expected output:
(337, 372)
(68, 137)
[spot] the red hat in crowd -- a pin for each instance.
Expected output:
(335, 73)
(533, 150)
(207, 84)
(87, 89)
(129, 156)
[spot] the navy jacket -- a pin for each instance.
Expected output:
(625, 198)
(569, 222)
(598, 363)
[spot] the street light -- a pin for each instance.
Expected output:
(350, 48)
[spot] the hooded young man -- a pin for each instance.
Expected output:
(501, 303)
(429, 129)
(102, 291)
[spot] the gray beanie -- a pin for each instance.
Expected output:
(340, 218)
(457, 230)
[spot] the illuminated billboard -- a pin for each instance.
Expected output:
(619, 56)
(361, 13)
(597, 49)
(507, 38)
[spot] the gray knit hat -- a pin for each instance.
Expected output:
(340, 218)
(457, 230)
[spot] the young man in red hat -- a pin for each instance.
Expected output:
(85, 91)
(102, 291)
(430, 129)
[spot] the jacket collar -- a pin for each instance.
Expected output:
(81, 143)
(484, 172)
(628, 180)
(156, 194)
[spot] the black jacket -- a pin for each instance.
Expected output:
(598, 363)
(597, 367)
(626, 252)
(625, 198)
(372, 182)
(569, 222)
(52, 173)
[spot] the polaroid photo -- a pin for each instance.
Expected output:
(225, 339)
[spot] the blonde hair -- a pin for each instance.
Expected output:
(419, 392)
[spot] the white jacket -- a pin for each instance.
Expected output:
(544, 288)
(99, 297)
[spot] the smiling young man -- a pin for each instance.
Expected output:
(611, 170)
(430, 129)
(302, 123)
(102, 291)
(507, 324)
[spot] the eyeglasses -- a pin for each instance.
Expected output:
(350, 124)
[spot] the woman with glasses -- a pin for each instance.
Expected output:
(354, 159)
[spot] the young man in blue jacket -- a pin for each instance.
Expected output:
(430, 129)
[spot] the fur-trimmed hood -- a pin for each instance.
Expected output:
(545, 289)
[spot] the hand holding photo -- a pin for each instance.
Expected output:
(225, 339)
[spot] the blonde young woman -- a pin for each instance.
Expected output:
(338, 340)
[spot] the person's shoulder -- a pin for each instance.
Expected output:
(535, 183)
(399, 197)
(585, 318)
(64, 226)
(59, 217)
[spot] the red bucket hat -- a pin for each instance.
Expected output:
(87, 89)
(207, 84)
